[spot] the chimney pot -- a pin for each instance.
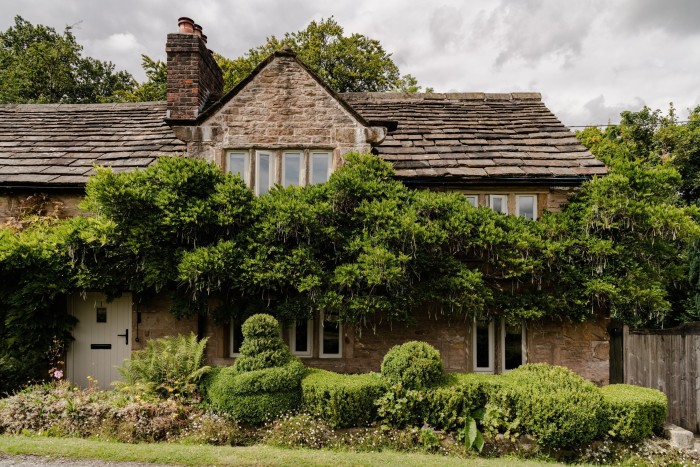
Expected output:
(185, 25)
(198, 30)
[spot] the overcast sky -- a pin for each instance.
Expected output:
(590, 59)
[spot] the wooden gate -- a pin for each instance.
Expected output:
(667, 360)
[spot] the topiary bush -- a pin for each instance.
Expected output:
(554, 404)
(265, 380)
(262, 345)
(414, 365)
(633, 413)
(342, 401)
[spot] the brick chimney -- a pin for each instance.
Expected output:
(194, 78)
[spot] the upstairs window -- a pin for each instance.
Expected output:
(291, 168)
(498, 203)
(320, 167)
(238, 164)
(526, 206)
(287, 168)
(264, 172)
(473, 200)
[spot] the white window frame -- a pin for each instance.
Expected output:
(321, 353)
(473, 199)
(246, 164)
(329, 155)
(523, 345)
(271, 180)
(534, 204)
(501, 197)
(309, 339)
(301, 167)
(231, 336)
(492, 349)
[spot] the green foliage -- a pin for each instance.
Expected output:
(262, 346)
(342, 401)
(347, 64)
(265, 380)
(35, 275)
(153, 89)
(274, 379)
(633, 413)
(554, 404)
(169, 366)
(414, 365)
(39, 65)
(633, 228)
(447, 406)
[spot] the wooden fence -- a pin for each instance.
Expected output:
(667, 360)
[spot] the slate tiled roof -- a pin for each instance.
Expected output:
(450, 137)
(58, 144)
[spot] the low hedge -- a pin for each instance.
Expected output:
(554, 404)
(342, 400)
(633, 413)
(446, 406)
(257, 396)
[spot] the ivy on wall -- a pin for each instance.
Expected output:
(361, 245)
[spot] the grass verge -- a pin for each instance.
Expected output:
(258, 455)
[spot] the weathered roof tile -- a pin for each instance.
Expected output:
(488, 135)
(58, 144)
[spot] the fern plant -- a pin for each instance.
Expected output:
(169, 367)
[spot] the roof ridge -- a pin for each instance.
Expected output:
(87, 106)
(460, 96)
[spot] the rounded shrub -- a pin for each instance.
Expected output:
(633, 413)
(414, 365)
(260, 326)
(554, 404)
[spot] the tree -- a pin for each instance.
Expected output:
(346, 63)
(153, 89)
(39, 65)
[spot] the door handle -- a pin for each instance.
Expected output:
(125, 336)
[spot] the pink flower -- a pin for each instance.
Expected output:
(58, 374)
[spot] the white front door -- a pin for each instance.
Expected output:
(102, 338)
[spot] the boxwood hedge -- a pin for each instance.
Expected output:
(633, 413)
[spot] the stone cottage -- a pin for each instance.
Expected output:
(284, 125)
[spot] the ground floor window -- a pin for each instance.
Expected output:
(320, 338)
(330, 332)
(510, 345)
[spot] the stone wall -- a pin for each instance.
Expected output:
(12, 204)
(157, 321)
(582, 347)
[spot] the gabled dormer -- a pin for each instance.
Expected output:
(281, 124)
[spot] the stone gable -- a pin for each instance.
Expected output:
(283, 106)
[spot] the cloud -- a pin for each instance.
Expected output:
(446, 24)
(674, 17)
(596, 111)
(535, 30)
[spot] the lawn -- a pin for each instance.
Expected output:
(229, 456)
